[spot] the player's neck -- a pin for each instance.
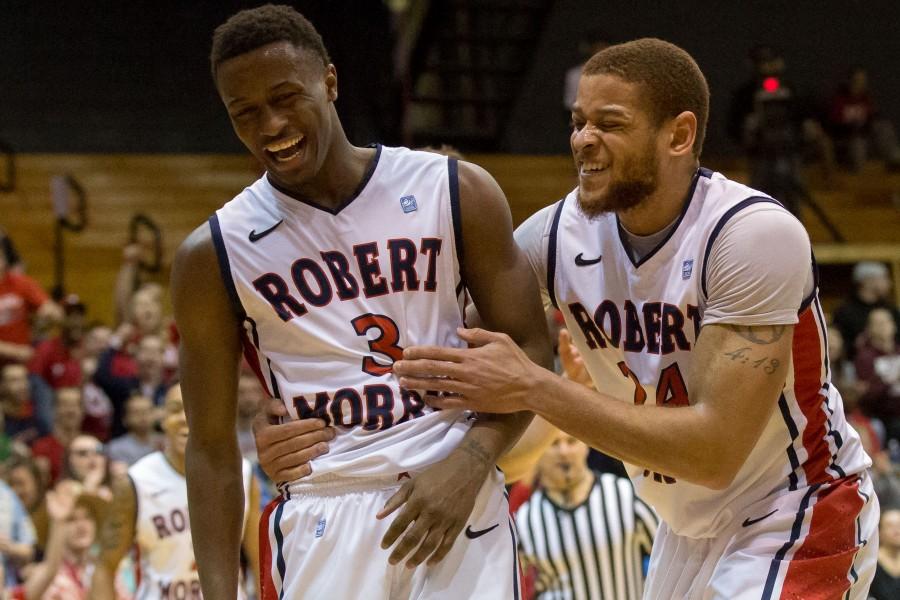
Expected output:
(890, 560)
(175, 459)
(339, 177)
(658, 210)
(575, 494)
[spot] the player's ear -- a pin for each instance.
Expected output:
(331, 82)
(683, 132)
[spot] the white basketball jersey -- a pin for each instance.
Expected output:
(635, 324)
(166, 567)
(330, 298)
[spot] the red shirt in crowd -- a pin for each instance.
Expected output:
(54, 362)
(50, 448)
(20, 295)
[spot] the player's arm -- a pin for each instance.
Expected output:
(116, 539)
(250, 543)
(439, 501)
(496, 271)
(209, 359)
(757, 273)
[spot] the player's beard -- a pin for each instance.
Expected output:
(638, 180)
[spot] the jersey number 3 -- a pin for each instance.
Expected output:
(385, 343)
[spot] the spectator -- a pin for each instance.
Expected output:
(777, 127)
(21, 297)
(86, 463)
(9, 252)
(72, 581)
(25, 412)
(58, 360)
(856, 124)
(119, 382)
(29, 482)
(141, 438)
(878, 369)
(17, 537)
(886, 585)
(98, 410)
(249, 403)
(584, 532)
(59, 506)
(872, 290)
(593, 42)
(66, 427)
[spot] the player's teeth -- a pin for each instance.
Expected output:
(285, 144)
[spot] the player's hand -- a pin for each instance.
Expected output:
(492, 375)
(286, 449)
(437, 503)
(572, 361)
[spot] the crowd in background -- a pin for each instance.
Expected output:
(82, 400)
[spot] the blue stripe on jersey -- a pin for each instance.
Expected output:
(791, 452)
(551, 253)
(718, 229)
(279, 541)
(225, 267)
(815, 289)
(456, 214)
(795, 535)
(686, 203)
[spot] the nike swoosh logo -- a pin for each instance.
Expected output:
(580, 261)
(255, 237)
(748, 521)
(472, 534)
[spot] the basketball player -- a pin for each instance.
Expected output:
(325, 268)
(693, 302)
(150, 511)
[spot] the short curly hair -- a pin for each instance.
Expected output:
(256, 27)
(670, 77)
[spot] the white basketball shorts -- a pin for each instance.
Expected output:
(817, 543)
(324, 542)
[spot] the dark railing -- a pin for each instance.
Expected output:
(70, 209)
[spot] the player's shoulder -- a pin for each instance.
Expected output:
(146, 464)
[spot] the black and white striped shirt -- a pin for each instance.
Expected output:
(594, 551)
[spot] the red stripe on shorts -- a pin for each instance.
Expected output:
(267, 589)
(807, 356)
(820, 566)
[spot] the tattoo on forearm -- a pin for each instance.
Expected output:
(760, 335)
(743, 356)
(476, 450)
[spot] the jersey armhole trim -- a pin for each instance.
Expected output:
(718, 229)
(225, 267)
(456, 215)
(815, 289)
(551, 253)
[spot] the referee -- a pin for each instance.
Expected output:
(585, 534)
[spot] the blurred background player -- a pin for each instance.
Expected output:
(150, 510)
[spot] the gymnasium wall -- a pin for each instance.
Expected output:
(134, 77)
(820, 41)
